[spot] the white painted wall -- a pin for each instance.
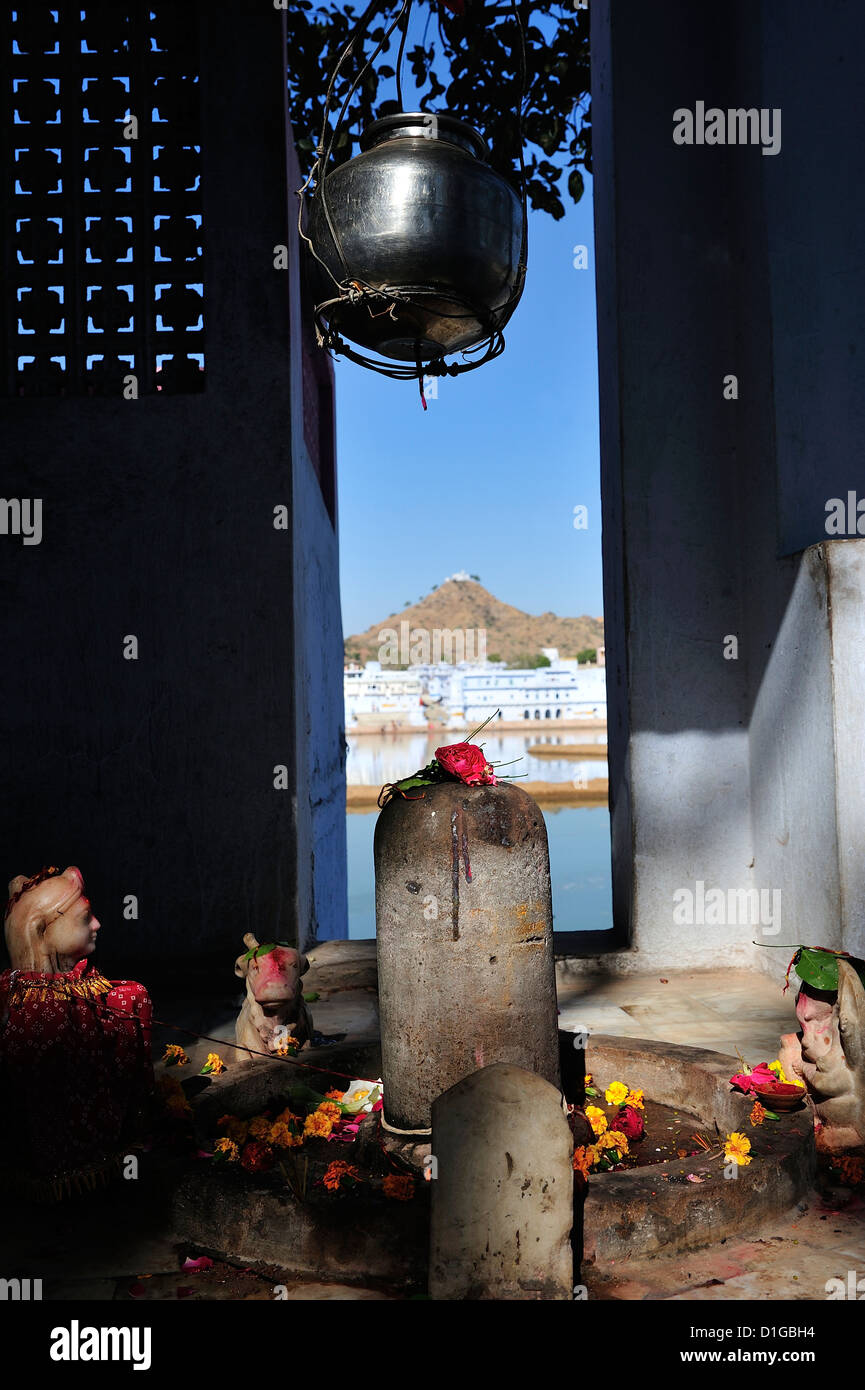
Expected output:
(710, 261)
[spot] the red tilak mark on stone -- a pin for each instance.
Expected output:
(467, 866)
(456, 827)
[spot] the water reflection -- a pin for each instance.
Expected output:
(374, 759)
(579, 839)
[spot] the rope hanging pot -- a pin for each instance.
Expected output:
(418, 245)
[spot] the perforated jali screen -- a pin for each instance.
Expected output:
(102, 208)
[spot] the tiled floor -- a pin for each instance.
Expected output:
(721, 1010)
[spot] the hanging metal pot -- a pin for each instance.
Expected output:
(426, 241)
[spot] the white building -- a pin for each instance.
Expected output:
(375, 698)
(563, 690)
(469, 692)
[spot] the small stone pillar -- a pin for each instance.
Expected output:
(502, 1198)
(466, 972)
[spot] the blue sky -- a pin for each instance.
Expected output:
(488, 477)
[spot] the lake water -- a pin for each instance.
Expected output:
(579, 838)
(374, 759)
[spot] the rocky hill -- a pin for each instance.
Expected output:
(465, 605)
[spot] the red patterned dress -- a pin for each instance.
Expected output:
(75, 1076)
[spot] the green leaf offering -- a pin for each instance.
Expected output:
(265, 950)
(311, 997)
(818, 967)
(303, 1095)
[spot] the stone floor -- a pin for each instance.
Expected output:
(721, 1010)
(788, 1259)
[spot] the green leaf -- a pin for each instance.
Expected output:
(576, 186)
(409, 783)
(819, 968)
(263, 950)
(304, 1095)
(311, 997)
(770, 1115)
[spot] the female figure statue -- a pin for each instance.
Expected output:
(75, 1068)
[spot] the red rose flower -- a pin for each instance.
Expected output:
(629, 1122)
(466, 762)
(257, 1157)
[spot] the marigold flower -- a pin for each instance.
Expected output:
(337, 1172)
(173, 1096)
(399, 1187)
(287, 1047)
(234, 1127)
(227, 1150)
(614, 1139)
(737, 1147)
(582, 1160)
(332, 1111)
(259, 1127)
(616, 1094)
(587, 1079)
(283, 1136)
(318, 1124)
(334, 1095)
(596, 1118)
(287, 1116)
(758, 1113)
(635, 1098)
(174, 1056)
(214, 1066)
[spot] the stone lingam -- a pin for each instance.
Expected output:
(75, 1068)
(465, 947)
(828, 1055)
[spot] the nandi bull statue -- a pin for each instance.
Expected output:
(274, 1010)
(828, 1055)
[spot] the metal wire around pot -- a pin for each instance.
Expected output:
(351, 289)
